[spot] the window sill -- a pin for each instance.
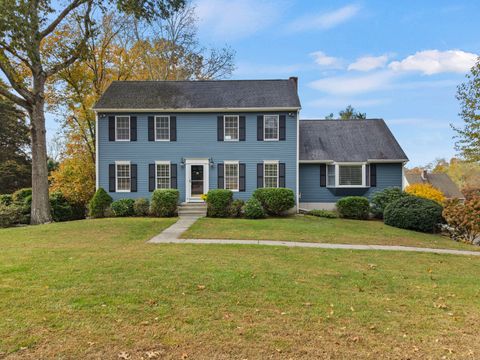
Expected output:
(123, 191)
(119, 140)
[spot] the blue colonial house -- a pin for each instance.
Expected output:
(239, 135)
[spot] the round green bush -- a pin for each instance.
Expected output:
(253, 209)
(414, 213)
(236, 208)
(219, 202)
(99, 203)
(275, 201)
(11, 215)
(122, 207)
(60, 207)
(381, 199)
(6, 199)
(353, 207)
(164, 203)
(141, 207)
(23, 195)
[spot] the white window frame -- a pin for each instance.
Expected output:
(155, 124)
(337, 174)
(129, 128)
(169, 173)
(231, 162)
(334, 174)
(278, 127)
(278, 171)
(116, 175)
(238, 128)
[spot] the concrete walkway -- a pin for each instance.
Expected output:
(175, 240)
(173, 232)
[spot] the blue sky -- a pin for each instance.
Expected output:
(397, 60)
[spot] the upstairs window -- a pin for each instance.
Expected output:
(350, 175)
(163, 175)
(122, 128)
(270, 127)
(123, 176)
(270, 174)
(230, 126)
(162, 128)
(231, 175)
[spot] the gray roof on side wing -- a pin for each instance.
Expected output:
(201, 94)
(348, 140)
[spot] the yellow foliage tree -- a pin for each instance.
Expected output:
(426, 191)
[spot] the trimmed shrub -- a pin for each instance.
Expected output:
(99, 204)
(236, 208)
(164, 203)
(381, 199)
(353, 207)
(414, 213)
(275, 201)
(219, 202)
(323, 213)
(463, 219)
(253, 209)
(426, 191)
(60, 207)
(141, 207)
(22, 196)
(11, 215)
(122, 207)
(78, 211)
(6, 199)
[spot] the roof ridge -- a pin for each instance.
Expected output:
(192, 81)
(334, 120)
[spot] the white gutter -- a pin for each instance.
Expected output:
(316, 161)
(181, 110)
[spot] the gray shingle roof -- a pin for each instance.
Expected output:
(204, 94)
(348, 140)
(440, 181)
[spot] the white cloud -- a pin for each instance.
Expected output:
(431, 62)
(353, 84)
(326, 20)
(326, 61)
(368, 63)
(229, 20)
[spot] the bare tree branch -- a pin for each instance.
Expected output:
(10, 73)
(17, 100)
(53, 25)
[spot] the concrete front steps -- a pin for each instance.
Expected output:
(192, 209)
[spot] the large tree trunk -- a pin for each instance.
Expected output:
(40, 202)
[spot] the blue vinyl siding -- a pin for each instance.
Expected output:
(388, 175)
(196, 138)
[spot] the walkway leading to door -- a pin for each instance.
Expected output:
(173, 232)
(171, 240)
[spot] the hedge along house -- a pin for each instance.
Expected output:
(239, 135)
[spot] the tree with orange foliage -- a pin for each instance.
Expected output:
(426, 191)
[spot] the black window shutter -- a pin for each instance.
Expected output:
(281, 175)
(241, 125)
(260, 175)
(133, 177)
(260, 128)
(173, 128)
(323, 175)
(367, 175)
(241, 178)
(373, 175)
(133, 128)
(282, 127)
(220, 128)
(151, 177)
(220, 175)
(151, 129)
(111, 128)
(173, 176)
(111, 178)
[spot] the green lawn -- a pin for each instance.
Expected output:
(95, 289)
(322, 230)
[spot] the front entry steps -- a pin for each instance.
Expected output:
(192, 209)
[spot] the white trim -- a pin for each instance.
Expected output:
(238, 128)
(297, 167)
(122, 162)
(97, 164)
(232, 162)
(387, 160)
(337, 174)
(278, 127)
(129, 128)
(404, 178)
(155, 127)
(316, 161)
(188, 173)
(163, 162)
(278, 170)
(184, 110)
(328, 185)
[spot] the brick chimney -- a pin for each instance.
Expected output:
(295, 81)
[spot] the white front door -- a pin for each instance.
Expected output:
(196, 179)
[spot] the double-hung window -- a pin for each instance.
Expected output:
(230, 126)
(270, 127)
(162, 176)
(231, 169)
(351, 175)
(123, 176)
(331, 175)
(162, 128)
(270, 174)
(122, 128)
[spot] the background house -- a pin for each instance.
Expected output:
(440, 181)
